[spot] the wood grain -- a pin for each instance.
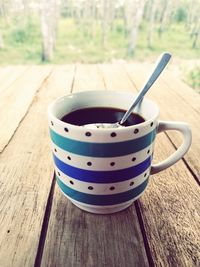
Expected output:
(87, 78)
(77, 238)
(26, 174)
(173, 106)
(4, 71)
(183, 90)
(9, 75)
(168, 212)
(15, 101)
(115, 78)
(170, 207)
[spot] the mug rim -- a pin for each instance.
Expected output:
(71, 95)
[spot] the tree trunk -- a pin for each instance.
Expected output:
(111, 14)
(104, 22)
(1, 41)
(48, 19)
(93, 19)
(125, 23)
(165, 14)
(196, 35)
(152, 12)
(189, 18)
(133, 11)
(107, 17)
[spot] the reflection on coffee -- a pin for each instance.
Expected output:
(100, 115)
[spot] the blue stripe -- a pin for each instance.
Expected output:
(102, 149)
(102, 199)
(102, 176)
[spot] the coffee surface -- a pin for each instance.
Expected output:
(100, 115)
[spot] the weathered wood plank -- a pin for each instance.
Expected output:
(173, 106)
(87, 78)
(111, 74)
(170, 209)
(184, 91)
(26, 174)
(4, 71)
(10, 75)
(15, 101)
(169, 77)
(77, 238)
(170, 206)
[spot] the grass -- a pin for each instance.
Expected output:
(78, 43)
(75, 43)
(193, 78)
(22, 43)
(175, 39)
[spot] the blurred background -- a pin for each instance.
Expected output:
(94, 31)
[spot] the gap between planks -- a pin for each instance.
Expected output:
(187, 237)
(45, 224)
(48, 209)
(164, 92)
(185, 162)
(11, 75)
(25, 195)
(14, 105)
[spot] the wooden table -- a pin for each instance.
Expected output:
(40, 227)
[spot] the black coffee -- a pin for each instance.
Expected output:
(100, 115)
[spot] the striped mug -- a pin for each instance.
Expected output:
(105, 170)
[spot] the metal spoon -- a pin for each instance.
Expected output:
(162, 62)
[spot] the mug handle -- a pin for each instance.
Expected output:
(180, 152)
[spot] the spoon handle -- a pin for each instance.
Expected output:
(162, 62)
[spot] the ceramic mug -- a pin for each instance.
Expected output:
(105, 170)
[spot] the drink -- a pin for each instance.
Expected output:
(100, 115)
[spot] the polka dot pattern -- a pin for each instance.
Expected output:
(113, 134)
(109, 186)
(85, 134)
(88, 134)
(112, 188)
(89, 163)
(90, 187)
(95, 164)
(124, 159)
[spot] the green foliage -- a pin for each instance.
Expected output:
(193, 78)
(19, 35)
(78, 43)
(26, 31)
(180, 14)
(22, 41)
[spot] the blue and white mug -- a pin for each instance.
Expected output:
(105, 170)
